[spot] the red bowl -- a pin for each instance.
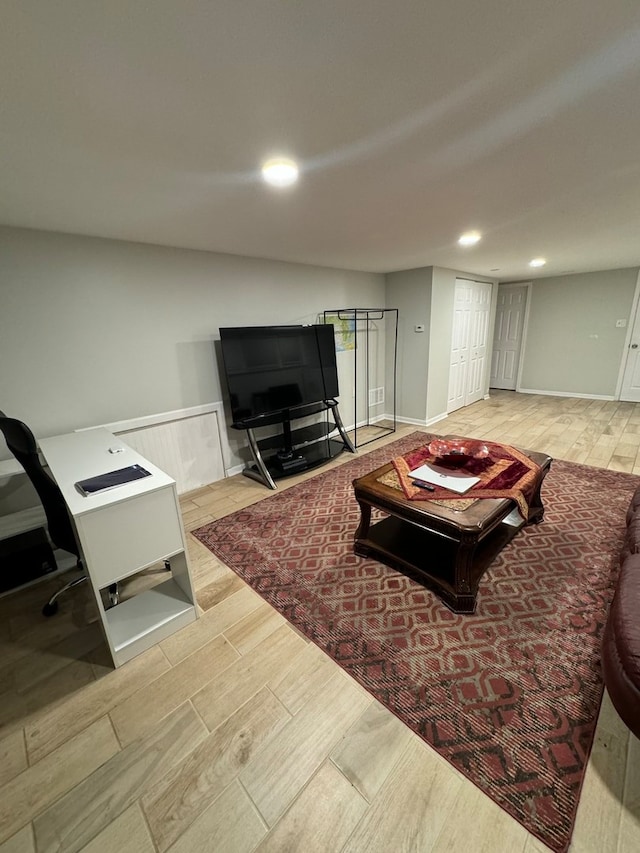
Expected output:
(455, 452)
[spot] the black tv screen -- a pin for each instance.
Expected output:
(274, 368)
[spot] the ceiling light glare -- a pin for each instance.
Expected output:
(469, 239)
(537, 262)
(280, 172)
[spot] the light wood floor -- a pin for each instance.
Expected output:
(236, 734)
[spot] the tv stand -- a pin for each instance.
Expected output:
(296, 450)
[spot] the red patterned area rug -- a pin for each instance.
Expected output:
(509, 695)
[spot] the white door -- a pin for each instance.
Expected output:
(467, 368)
(507, 339)
(631, 378)
(478, 341)
(459, 364)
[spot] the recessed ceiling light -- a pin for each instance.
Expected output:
(280, 172)
(470, 238)
(537, 262)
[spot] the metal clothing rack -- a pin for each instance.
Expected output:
(361, 318)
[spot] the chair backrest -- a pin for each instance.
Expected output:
(22, 444)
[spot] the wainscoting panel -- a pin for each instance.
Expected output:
(185, 443)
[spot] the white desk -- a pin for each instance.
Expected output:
(123, 531)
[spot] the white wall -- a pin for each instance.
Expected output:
(442, 302)
(410, 292)
(94, 331)
(572, 342)
(425, 296)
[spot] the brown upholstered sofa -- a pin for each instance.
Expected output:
(621, 641)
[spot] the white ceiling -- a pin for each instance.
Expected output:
(412, 121)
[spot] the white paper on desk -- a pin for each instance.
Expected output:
(457, 481)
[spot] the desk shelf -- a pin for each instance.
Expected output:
(147, 618)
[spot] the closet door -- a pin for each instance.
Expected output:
(459, 363)
(467, 368)
(478, 341)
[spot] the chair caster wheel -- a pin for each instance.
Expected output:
(50, 608)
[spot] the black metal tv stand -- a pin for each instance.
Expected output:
(296, 450)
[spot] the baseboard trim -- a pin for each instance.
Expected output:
(606, 397)
(411, 421)
(429, 422)
(236, 469)
(437, 418)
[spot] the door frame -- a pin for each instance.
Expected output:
(635, 307)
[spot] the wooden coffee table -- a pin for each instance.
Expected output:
(448, 550)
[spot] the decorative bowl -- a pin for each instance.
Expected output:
(456, 452)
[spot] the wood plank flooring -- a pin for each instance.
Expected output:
(236, 734)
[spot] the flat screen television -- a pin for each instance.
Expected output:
(274, 368)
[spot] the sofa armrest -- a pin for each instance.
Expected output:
(621, 645)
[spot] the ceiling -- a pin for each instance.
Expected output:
(412, 121)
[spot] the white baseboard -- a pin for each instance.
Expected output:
(437, 418)
(236, 469)
(565, 394)
(411, 421)
(416, 422)
(370, 422)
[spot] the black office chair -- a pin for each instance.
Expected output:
(22, 444)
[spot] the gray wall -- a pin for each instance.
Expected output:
(410, 292)
(442, 299)
(94, 331)
(440, 342)
(572, 343)
(425, 296)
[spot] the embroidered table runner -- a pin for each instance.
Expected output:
(505, 473)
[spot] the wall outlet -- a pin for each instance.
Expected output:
(620, 324)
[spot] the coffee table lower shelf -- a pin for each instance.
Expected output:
(451, 567)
